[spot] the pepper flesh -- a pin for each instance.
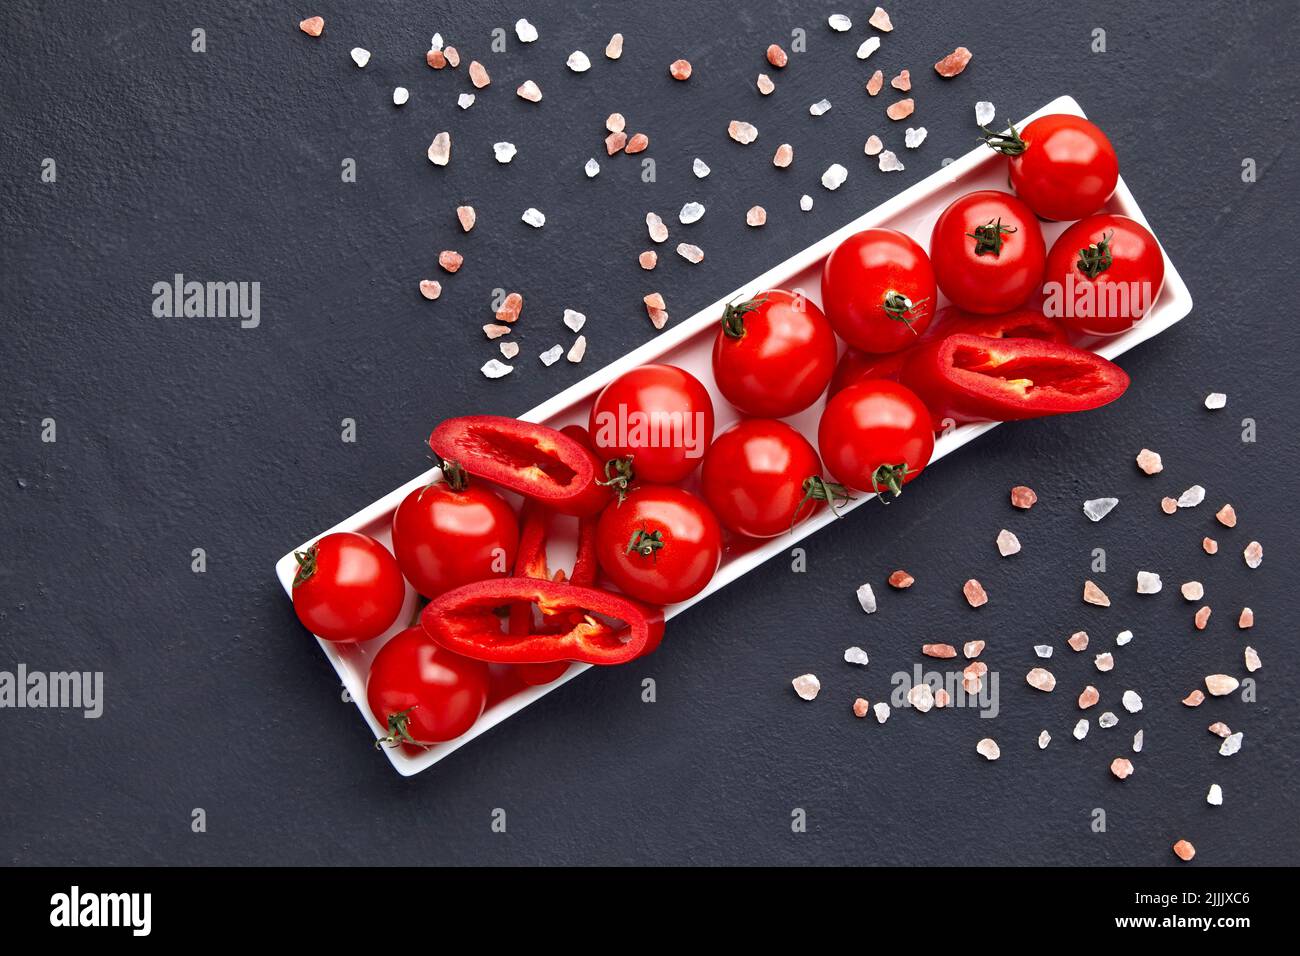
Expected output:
(465, 620)
(538, 462)
(971, 378)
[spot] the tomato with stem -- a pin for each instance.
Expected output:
(424, 694)
(988, 252)
(875, 436)
(1062, 166)
(1103, 274)
(878, 290)
(661, 545)
(348, 588)
(660, 416)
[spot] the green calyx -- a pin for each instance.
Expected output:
(306, 565)
(816, 488)
(399, 731)
(645, 543)
(733, 317)
(988, 237)
(1008, 144)
(1096, 258)
(902, 309)
(888, 478)
(619, 476)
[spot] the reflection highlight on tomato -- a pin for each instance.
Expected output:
(424, 694)
(660, 415)
(878, 290)
(661, 545)
(875, 436)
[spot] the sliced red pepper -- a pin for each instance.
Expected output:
(538, 462)
(530, 561)
(464, 620)
(973, 378)
(854, 366)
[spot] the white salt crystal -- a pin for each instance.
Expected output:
(1123, 637)
(1043, 650)
(1107, 720)
(534, 217)
(867, 598)
(690, 252)
(1008, 543)
(988, 749)
(504, 152)
(494, 369)
(984, 113)
(360, 56)
(820, 107)
(1231, 744)
(691, 212)
(591, 168)
(913, 138)
(1216, 400)
(465, 100)
(552, 355)
(889, 163)
(526, 32)
(869, 46)
(839, 22)
(1148, 582)
(578, 350)
(834, 176)
(1081, 729)
(1192, 497)
(700, 167)
(1215, 797)
(574, 320)
(1132, 701)
(882, 712)
(1043, 740)
(578, 62)
(807, 686)
(805, 202)
(855, 655)
(400, 95)
(1097, 508)
(1137, 742)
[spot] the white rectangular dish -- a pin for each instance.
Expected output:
(689, 345)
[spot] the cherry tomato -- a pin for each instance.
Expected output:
(1062, 166)
(875, 436)
(422, 693)
(452, 533)
(774, 354)
(1103, 274)
(348, 588)
(878, 290)
(658, 414)
(761, 477)
(661, 545)
(988, 252)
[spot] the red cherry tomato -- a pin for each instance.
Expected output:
(761, 477)
(452, 533)
(1103, 274)
(988, 252)
(875, 436)
(878, 290)
(661, 545)
(1062, 166)
(658, 414)
(422, 693)
(774, 354)
(348, 588)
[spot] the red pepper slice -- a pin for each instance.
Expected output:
(464, 620)
(530, 561)
(536, 461)
(972, 378)
(854, 366)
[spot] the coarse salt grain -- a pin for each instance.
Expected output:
(400, 95)
(777, 56)
(494, 331)
(1089, 697)
(756, 216)
(1023, 497)
(839, 22)
(493, 368)
(988, 747)
(658, 231)
(942, 698)
(921, 698)
(1148, 582)
(430, 288)
(834, 176)
(1231, 744)
(689, 252)
(1184, 850)
(742, 132)
(953, 63)
(614, 48)
(691, 212)
(1097, 508)
(648, 259)
(312, 26)
(880, 20)
(1168, 505)
(509, 349)
(1149, 461)
(574, 320)
(450, 260)
(1221, 685)
(1251, 656)
(889, 162)
(939, 650)
(552, 355)
(1227, 516)
(972, 649)
(873, 145)
(465, 100)
(875, 83)
(1041, 679)
(855, 655)
(1104, 661)
(467, 217)
(1192, 497)
(530, 91)
(512, 306)
(784, 156)
(478, 75)
(1008, 543)
(914, 137)
(504, 152)
(820, 107)
(901, 579)
(1123, 637)
(360, 56)
(861, 707)
(1078, 641)
(534, 217)
(440, 149)
(1192, 590)
(1121, 767)
(1043, 650)
(700, 168)
(901, 110)
(615, 122)
(680, 69)
(591, 168)
(1246, 619)
(1044, 738)
(869, 46)
(807, 686)
(1216, 400)
(1132, 701)
(806, 202)
(1194, 699)
(1215, 797)
(526, 32)
(1137, 742)
(577, 350)
(1202, 618)
(453, 57)
(1219, 729)
(1253, 554)
(637, 143)
(985, 113)
(578, 62)
(975, 593)
(867, 598)
(1094, 595)
(1081, 729)
(881, 711)
(1210, 545)
(765, 84)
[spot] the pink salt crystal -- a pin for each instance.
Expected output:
(1023, 497)
(1202, 618)
(975, 594)
(1210, 545)
(1078, 641)
(637, 143)
(1253, 555)
(467, 217)
(312, 26)
(765, 85)
(453, 57)
(1227, 516)
(938, 650)
(784, 155)
(973, 648)
(615, 142)
(450, 260)
(615, 122)
(1089, 697)
(493, 331)
(614, 48)
(1121, 767)
(510, 308)
(880, 20)
(429, 288)
(942, 698)
(1184, 850)
(1195, 698)
(648, 259)
(873, 145)
(902, 82)
(1149, 461)
(901, 110)
(742, 132)
(1247, 618)
(876, 82)
(1041, 679)
(1168, 505)
(1095, 595)
(436, 59)
(478, 74)
(860, 707)
(680, 69)
(953, 63)
(756, 216)
(777, 56)
(1220, 729)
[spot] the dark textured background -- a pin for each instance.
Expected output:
(184, 433)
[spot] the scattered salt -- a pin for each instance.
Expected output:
(988, 747)
(867, 598)
(1215, 797)
(889, 163)
(820, 107)
(689, 252)
(534, 217)
(1216, 400)
(552, 355)
(577, 350)
(526, 32)
(592, 168)
(1132, 701)
(578, 62)
(869, 46)
(855, 655)
(807, 686)
(984, 113)
(1107, 720)
(1043, 650)
(1231, 744)
(805, 202)
(1148, 582)
(839, 22)
(913, 138)
(700, 168)
(360, 56)
(1192, 497)
(504, 152)
(1044, 739)
(1008, 543)
(1081, 729)
(465, 100)
(574, 320)
(834, 176)
(400, 95)
(495, 369)
(742, 132)
(1097, 508)
(691, 212)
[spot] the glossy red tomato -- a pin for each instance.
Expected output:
(1062, 166)
(661, 545)
(660, 415)
(774, 354)
(422, 693)
(348, 588)
(451, 533)
(875, 436)
(761, 475)
(1103, 274)
(878, 290)
(988, 252)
